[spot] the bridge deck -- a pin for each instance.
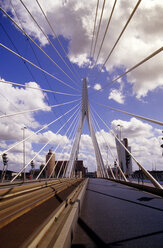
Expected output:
(118, 215)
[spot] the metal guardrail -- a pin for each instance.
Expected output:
(35, 239)
(14, 189)
(23, 200)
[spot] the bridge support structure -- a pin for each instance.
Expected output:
(85, 112)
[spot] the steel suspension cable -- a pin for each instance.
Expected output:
(47, 38)
(59, 80)
(107, 164)
(14, 107)
(70, 150)
(94, 27)
(69, 137)
(45, 126)
(49, 160)
(22, 30)
(71, 134)
(62, 149)
(34, 88)
(58, 39)
(9, 101)
(106, 30)
(134, 115)
(38, 61)
(151, 178)
(130, 17)
(103, 6)
(112, 154)
(24, 167)
(132, 68)
(29, 70)
(96, 125)
(93, 123)
(33, 110)
(55, 150)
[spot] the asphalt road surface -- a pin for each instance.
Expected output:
(115, 215)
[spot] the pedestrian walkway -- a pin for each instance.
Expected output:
(115, 215)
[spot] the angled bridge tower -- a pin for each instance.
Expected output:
(85, 112)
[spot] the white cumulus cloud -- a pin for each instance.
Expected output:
(74, 20)
(15, 99)
(97, 87)
(117, 96)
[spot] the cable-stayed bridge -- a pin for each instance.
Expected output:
(62, 209)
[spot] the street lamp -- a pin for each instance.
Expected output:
(23, 128)
(120, 130)
(107, 154)
(162, 145)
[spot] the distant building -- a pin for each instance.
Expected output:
(91, 174)
(11, 174)
(57, 168)
(158, 175)
(50, 158)
(124, 158)
(80, 170)
(60, 167)
(34, 173)
(8, 176)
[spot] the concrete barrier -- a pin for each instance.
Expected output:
(65, 237)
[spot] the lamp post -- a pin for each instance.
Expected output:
(120, 130)
(106, 157)
(162, 145)
(107, 154)
(41, 165)
(23, 128)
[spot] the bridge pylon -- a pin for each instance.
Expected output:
(85, 112)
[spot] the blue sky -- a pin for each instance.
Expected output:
(139, 92)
